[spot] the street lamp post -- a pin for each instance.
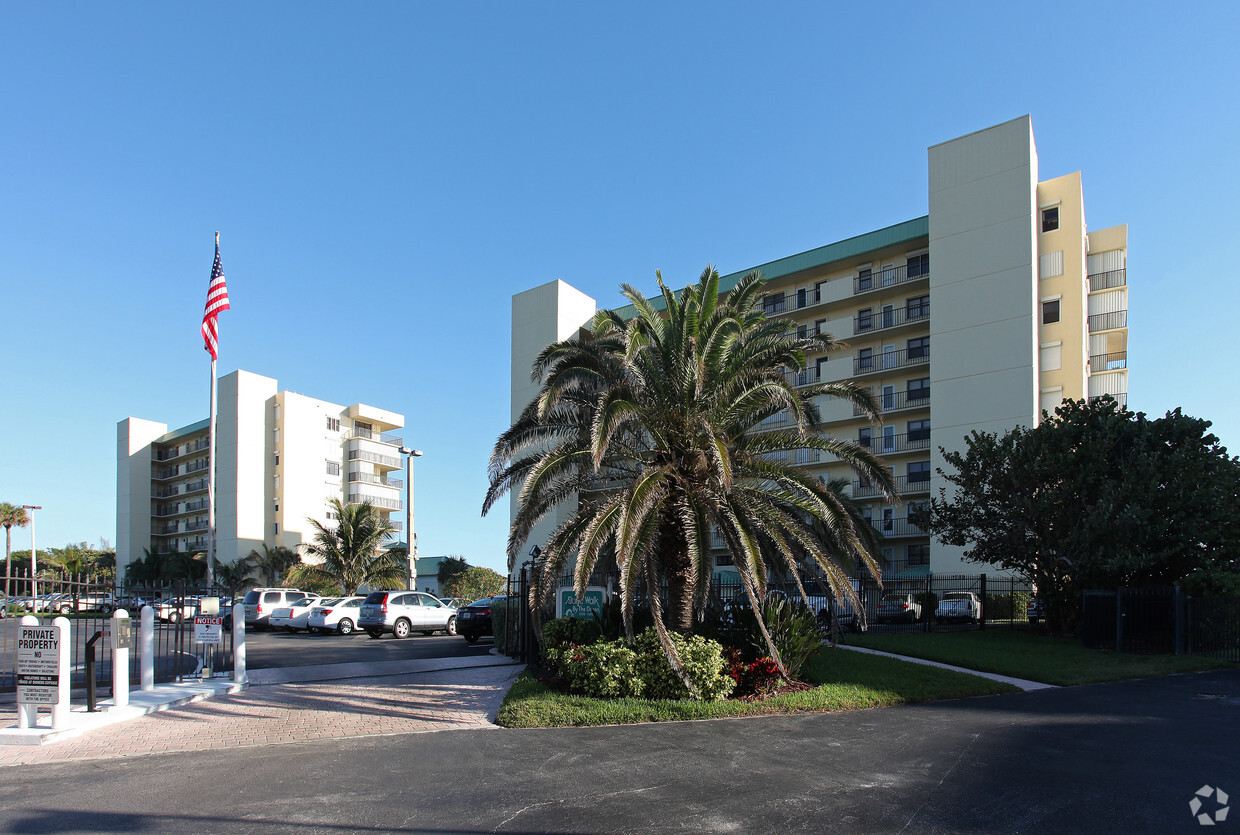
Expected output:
(411, 537)
(33, 590)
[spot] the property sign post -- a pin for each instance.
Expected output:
(42, 670)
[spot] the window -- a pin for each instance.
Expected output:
(277, 459)
(918, 430)
(1050, 312)
(802, 331)
(865, 279)
(773, 303)
(818, 367)
(333, 468)
(333, 424)
(919, 265)
(917, 307)
(865, 319)
(818, 291)
(723, 559)
(865, 358)
(918, 348)
(919, 389)
(863, 436)
(275, 529)
(820, 326)
(1050, 219)
(802, 297)
(919, 554)
(918, 472)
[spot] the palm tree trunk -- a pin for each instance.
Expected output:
(680, 578)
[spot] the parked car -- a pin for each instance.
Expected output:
(898, 607)
(454, 602)
(293, 616)
(176, 610)
(259, 604)
(474, 620)
(402, 612)
(958, 605)
(339, 615)
(91, 602)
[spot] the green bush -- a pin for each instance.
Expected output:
(505, 638)
(929, 604)
(1014, 606)
(566, 634)
(613, 669)
(793, 629)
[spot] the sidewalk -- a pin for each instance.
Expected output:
(1022, 683)
(298, 704)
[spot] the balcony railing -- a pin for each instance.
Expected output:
(177, 452)
(892, 528)
(918, 483)
(371, 478)
(887, 278)
(388, 504)
(1121, 398)
(887, 360)
(892, 444)
(375, 458)
(372, 435)
(891, 318)
(798, 457)
(1108, 362)
(804, 377)
(1108, 321)
(897, 400)
(1107, 280)
(172, 510)
(779, 421)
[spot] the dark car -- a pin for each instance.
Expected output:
(474, 621)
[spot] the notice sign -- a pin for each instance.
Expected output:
(38, 665)
(208, 629)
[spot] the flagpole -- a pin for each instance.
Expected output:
(211, 467)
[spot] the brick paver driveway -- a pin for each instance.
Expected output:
(285, 713)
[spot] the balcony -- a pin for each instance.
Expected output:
(895, 444)
(895, 528)
(892, 277)
(893, 317)
(171, 510)
(177, 452)
(905, 486)
(899, 400)
(371, 478)
(376, 501)
(1108, 321)
(888, 360)
(371, 435)
(1107, 280)
(390, 461)
(804, 377)
(1108, 362)
(1121, 398)
(779, 421)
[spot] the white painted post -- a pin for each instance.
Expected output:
(120, 665)
(146, 646)
(238, 614)
(27, 715)
(60, 710)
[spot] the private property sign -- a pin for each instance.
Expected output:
(208, 629)
(38, 665)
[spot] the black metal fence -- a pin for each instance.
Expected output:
(89, 603)
(1161, 620)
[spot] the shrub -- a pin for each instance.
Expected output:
(1004, 606)
(759, 677)
(613, 669)
(793, 629)
(505, 638)
(566, 634)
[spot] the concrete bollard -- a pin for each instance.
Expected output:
(146, 648)
(27, 715)
(60, 710)
(120, 663)
(238, 615)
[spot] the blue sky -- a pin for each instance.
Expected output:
(385, 176)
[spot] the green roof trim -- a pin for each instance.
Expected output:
(192, 429)
(845, 250)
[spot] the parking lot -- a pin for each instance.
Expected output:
(269, 648)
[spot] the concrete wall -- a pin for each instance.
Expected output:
(134, 437)
(983, 285)
(244, 451)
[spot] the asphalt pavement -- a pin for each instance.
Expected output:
(1122, 757)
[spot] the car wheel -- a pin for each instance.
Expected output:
(450, 629)
(375, 633)
(64, 610)
(345, 627)
(312, 630)
(470, 638)
(106, 609)
(228, 622)
(401, 628)
(174, 617)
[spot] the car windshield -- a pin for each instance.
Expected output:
(895, 598)
(251, 597)
(955, 596)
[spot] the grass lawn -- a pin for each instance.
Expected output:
(846, 681)
(1031, 655)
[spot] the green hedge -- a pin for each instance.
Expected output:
(614, 669)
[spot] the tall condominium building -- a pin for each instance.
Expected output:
(1029, 309)
(280, 458)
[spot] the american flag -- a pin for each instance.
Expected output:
(217, 300)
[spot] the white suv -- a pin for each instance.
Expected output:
(402, 612)
(259, 603)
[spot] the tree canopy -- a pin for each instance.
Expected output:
(351, 553)
(474, 583)
(670, 425)
(1095, 496)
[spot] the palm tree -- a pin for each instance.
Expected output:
(10, 515)
(237, 576)
(657, 423)
(272, 562)
(352, 552)
(147, 570)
